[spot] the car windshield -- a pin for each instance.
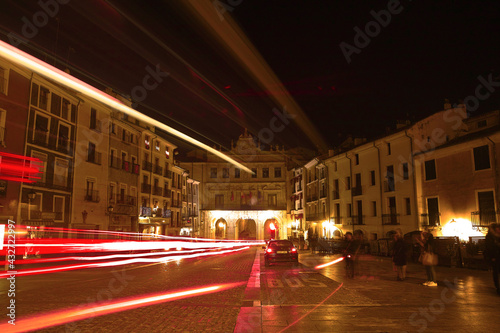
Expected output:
(281, 244)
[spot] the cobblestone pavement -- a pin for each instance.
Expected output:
(307, 300)
(216, 312)
(280, 298)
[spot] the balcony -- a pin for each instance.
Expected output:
(145, 188)
(167, 193)
(135, 168)
(168, 173)
(126, 200)
(357, 190)
(126, 166)
(115, 163)
(430, 220)
(312, 198)
(390, 219)
(358, 219)
(92, 196)
(389, 186)
(147, 166)
(322, 194)
(316, 217)
(337, 220)
(482, 218)
(158, 170)
(176, 204)
(184, 198)
(335, 195)
(157, 191)
(94, 157)
(157, 212)
(96, 125)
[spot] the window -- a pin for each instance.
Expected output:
(219, 200)
(35, 207)
(61, 167)
(482, 158)
(3, 80)
(55, 105)
(407, 206)
(91, 153)
(93, 118)
(349, 210)
(347, 183)
(388, 148)
(236, 173)
(277, 172)
(225, 172)
(272, 200)
(58, 208)
(34, 94)
(63, 137)
(41, 134)
(356, 159)
(265, 172)
(374, 208)
(372, 177)
(44, 98)
(430, 170)
(68, 110)
(112, 194)
(254, 172)
(213, 172)
(405, 171)
(113, 128)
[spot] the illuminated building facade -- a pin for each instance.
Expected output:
(459, 181)
(238, 205)
(14, 96)
(51, 138)
(156, 183)
(297, 201)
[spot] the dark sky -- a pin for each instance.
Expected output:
(427, 52)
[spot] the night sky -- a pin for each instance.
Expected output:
(426, 52)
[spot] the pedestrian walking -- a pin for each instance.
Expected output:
(399, 255)
(492, 252)
(429, 258)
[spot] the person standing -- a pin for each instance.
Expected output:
(427, 242)
(399, 255)
(492, 251)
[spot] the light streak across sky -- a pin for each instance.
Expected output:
(19, 57)
(38, 322)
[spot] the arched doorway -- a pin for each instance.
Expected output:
(268, 228)
(247, 229)
(221, 228)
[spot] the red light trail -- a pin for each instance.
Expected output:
(329, 263)
(80, 313)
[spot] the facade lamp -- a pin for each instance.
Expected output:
(110, 209)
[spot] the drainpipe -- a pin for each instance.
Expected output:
(350, 187)
(414, 178)
(380, 185)
(495, 168)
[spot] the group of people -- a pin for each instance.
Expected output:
(428, 257)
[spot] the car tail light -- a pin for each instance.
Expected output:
(294, 249)
(269, 250)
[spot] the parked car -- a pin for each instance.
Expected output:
(280, 251)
